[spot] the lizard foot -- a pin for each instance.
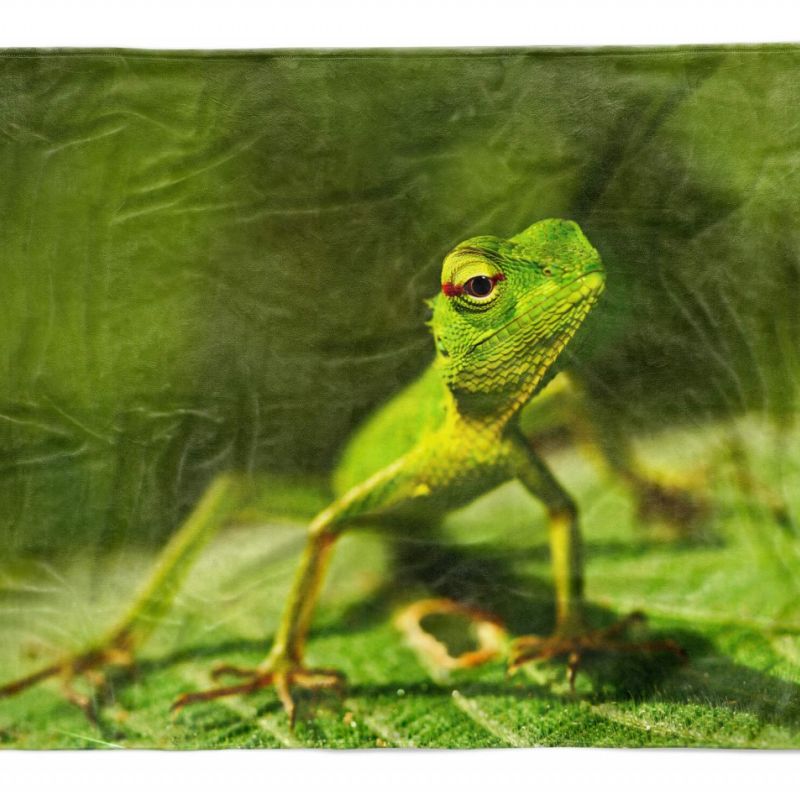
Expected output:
(680, 509)
(93, 664)
(282, 675)
(576, 646)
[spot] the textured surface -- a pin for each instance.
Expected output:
(211, 261)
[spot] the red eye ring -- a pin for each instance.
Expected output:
(469, 287)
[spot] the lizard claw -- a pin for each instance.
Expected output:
(575, 646)
(91, 663)
(282, 676)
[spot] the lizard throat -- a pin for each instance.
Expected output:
(523, 366)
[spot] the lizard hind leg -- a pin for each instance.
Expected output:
(116, 648)
(673, 506)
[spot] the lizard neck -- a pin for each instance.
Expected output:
(483, 413)
(494, 406)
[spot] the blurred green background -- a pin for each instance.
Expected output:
(218, 260)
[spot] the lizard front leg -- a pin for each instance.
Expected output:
(572, 637)
(566, 545)
(284, 666)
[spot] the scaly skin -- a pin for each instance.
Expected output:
(506, 311)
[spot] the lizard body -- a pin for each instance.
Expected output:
(506, 311)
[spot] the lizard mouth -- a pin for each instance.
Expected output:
(572, 302)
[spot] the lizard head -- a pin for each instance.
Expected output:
(508, 307)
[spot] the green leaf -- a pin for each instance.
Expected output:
(727, 598)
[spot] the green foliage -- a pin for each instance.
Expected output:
(727, 596)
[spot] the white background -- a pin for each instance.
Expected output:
(390, 23)
(546, 774)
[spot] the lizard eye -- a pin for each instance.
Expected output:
(479, 286)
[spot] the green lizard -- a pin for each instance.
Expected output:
(506, 310)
